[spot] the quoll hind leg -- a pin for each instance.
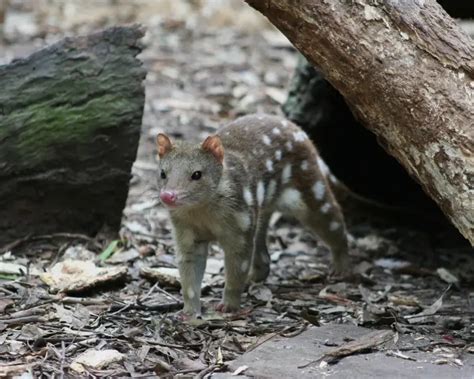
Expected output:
(260, 267)
(324, 218)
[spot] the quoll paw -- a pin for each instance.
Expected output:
(233, 313)
(341, 273)
(186, 317)
(223, 308)
(341, 268)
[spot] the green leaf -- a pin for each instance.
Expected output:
(8, 276)
(112, 248)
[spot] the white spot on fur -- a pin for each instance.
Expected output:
(286, 174)
(284, 123)
(248, 196)
(244, 266)
(304, 165)
(278, 155)
(276, 131)
(260, 193)
(271, 190)
(269, 165)
(300, 136)
(259, 117)
(323, 167)
(291, 199)
(191, 293)
(289, 145)
(266, 140)
(319, 189)
(243, 220)
(332, 178)
(333, 226)
(326, 208)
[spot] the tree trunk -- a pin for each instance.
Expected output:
(323, 113)
(70, 118)
(407, 72)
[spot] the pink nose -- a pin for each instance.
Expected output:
(168, 197)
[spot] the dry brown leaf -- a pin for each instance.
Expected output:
(75, 276)
(96, 359)
(167, 277)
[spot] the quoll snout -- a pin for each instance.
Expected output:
(168, 197)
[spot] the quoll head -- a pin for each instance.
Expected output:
(188, 174)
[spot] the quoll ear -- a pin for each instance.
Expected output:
(164, 144)
(213, 145)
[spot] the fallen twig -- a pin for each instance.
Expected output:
(208, 370)
(162, 307)
(30, 238)
(164, 344)
(364, 343)
(23, 320)
(263, 340)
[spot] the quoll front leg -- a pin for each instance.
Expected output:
(237, 259)
(192, 258)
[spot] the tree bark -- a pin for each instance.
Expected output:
(407, 71)
(322, 112)
(70, 118)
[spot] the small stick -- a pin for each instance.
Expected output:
(170, 345)
(265, 339)
(150, 291)
(23, 320)
(77, 344)
(25, 313)
(82, 300)
(364, 343)
(207, 370)
(162, 307)
(167, 293)
(28, 238)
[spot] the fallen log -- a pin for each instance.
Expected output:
(406, 70)
(70, 117)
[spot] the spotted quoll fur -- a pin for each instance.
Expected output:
(226, 190)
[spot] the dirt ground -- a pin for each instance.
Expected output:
(206, 65)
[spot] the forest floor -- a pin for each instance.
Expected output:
(406, 312)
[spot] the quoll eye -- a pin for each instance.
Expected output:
(163, 175)
(196, 175)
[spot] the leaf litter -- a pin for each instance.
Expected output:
(110, 308)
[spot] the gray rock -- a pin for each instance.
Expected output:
(280, 358)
